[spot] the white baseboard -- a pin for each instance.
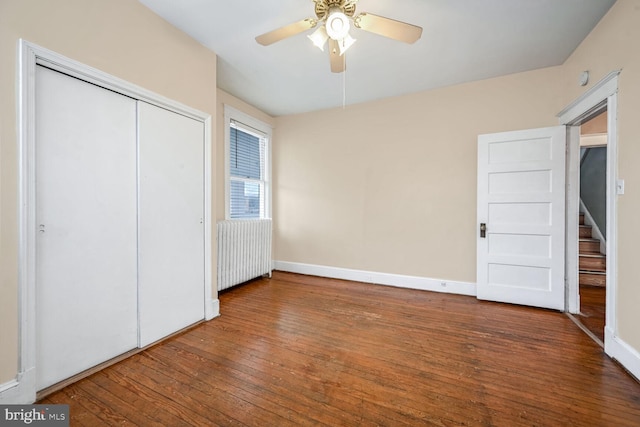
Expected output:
(212, 309)
(619, 350)
(19, 391)
(401, 281)
(9, 391)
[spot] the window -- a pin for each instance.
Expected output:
(247, 166)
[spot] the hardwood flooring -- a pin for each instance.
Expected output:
(298, 351)
(592, 309)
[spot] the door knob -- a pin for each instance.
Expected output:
(483, 230)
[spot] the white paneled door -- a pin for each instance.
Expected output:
(521, 217)
(171, 222)
(86, 270)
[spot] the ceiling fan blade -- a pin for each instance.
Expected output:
(388, 27)
(287, 31)
(338, 62)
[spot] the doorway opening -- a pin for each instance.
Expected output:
(601, 98)
(592, 243)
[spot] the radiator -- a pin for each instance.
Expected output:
(244, 251)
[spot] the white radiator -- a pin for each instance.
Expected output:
(244, 251)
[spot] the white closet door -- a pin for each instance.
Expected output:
(86, 301)
(171, 229)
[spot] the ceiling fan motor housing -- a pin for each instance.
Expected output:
(323, 7)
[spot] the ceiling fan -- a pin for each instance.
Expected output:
(333, 18)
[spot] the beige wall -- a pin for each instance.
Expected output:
(225, 98)
(613, 45)
(390, 186)
(120, 37)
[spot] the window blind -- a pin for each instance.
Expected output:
(247, 170)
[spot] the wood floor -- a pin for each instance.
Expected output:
(592, 309)
(297, 351)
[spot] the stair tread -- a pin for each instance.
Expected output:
(592, 255)
(596, 272)
(588, 239)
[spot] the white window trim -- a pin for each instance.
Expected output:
(233, 114)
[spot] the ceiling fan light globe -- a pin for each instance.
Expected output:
(345, 44)
(319, 38)
(337, 25)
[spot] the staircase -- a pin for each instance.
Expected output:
(592, 264)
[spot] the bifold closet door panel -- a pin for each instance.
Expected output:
(86, 250)
(170, 223)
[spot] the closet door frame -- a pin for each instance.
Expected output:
(23, 388)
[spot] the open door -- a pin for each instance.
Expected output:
(521, 217)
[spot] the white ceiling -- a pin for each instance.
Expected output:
(462, 41)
